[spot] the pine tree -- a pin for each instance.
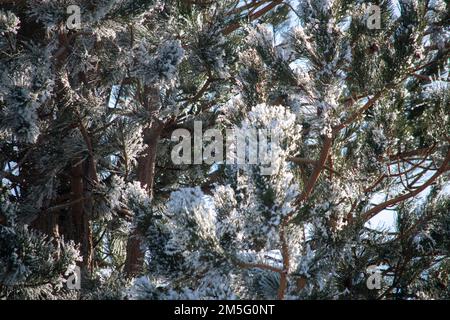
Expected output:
(359, 123)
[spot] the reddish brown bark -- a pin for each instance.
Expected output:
(378, 208)
(253, 16)
(146, 175)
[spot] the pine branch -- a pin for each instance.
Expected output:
(258, 266)
(378, 208)
(253, 16)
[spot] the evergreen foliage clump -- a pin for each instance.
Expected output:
(358, 119)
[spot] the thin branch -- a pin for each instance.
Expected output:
(301, 161)
(316, 173)
(375, 210)
(234, 26)
(358, 113)
(64, 205)
(258, 266)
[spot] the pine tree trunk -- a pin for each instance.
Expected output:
(146, 176)
(80, 212)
